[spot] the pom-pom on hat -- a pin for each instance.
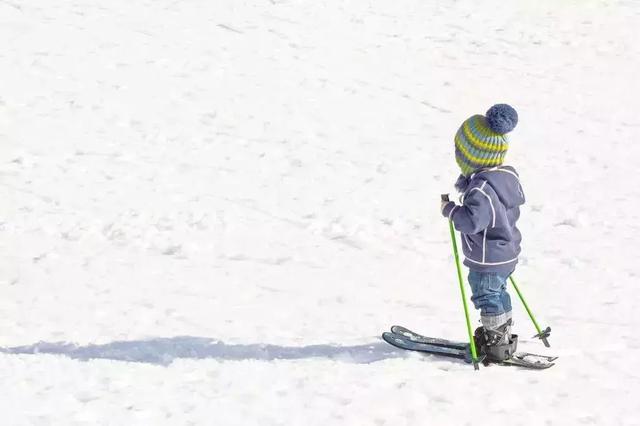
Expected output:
(502, 118)
(482, 141)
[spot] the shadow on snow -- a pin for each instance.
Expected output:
(164, 351)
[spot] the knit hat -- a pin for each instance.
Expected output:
(482, 141)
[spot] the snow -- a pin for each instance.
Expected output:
(211, 210)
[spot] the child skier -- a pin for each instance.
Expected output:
(490, 201)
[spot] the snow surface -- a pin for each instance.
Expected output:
(212, 209)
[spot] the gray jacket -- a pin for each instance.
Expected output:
(487, 219)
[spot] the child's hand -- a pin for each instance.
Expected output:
(446, 207)
(444, 202)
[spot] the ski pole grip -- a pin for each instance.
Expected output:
(444, 197)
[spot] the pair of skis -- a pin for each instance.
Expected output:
(404, 338)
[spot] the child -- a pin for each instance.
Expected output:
(491, 197)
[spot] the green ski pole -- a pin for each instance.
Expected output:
(472, 345)
(542, 334)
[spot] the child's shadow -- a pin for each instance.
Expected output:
(165, 350)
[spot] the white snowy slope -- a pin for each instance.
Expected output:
(210, 210)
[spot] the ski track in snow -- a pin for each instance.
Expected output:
(212, 209)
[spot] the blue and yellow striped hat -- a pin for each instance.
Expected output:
(482, 141)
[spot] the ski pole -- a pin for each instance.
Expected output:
(472, 345)
(542, 334)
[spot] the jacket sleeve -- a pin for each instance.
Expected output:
(474, 215)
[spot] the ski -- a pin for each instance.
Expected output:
(403, 342)
(413, 336)
(406, 339)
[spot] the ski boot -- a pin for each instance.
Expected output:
(497, 344)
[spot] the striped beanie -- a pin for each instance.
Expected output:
(482, 141)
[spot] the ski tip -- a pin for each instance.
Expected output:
(389, 337)
(398, 329)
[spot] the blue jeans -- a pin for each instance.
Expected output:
(489, 294)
